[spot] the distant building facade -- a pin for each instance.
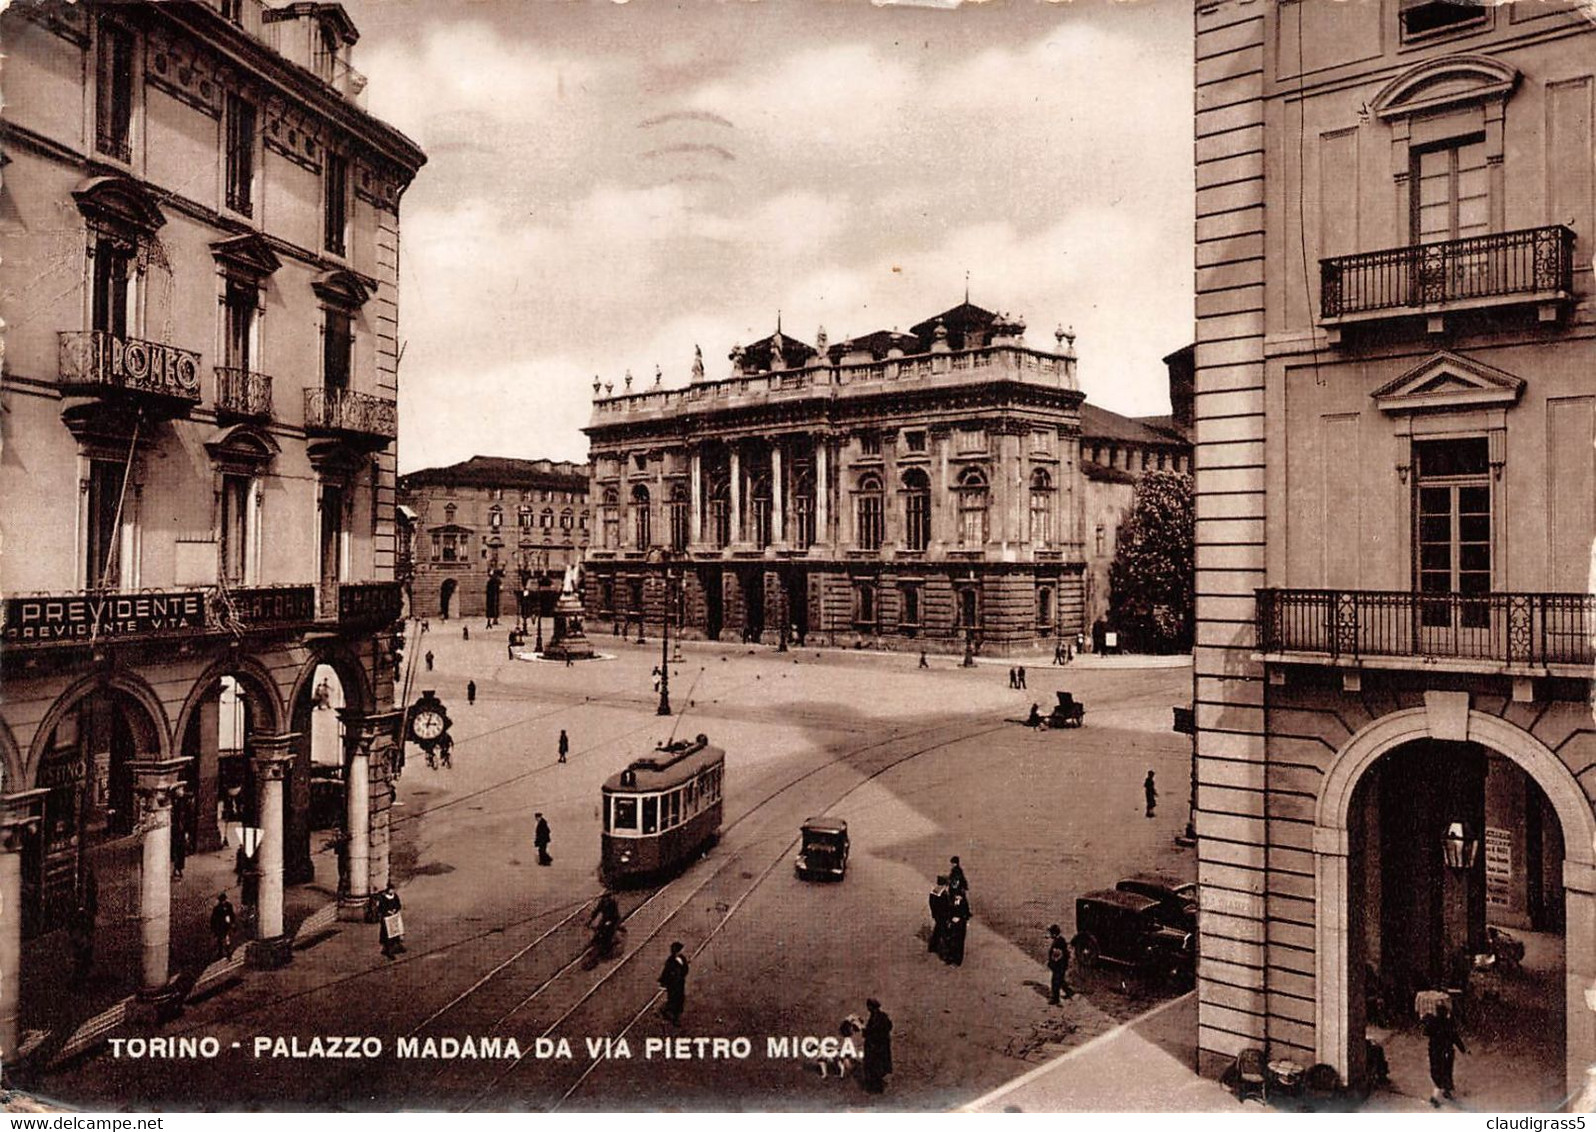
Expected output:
(487, 530)
(1396, 504)
(918, 490)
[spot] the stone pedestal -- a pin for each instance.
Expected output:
(568, 642)
(155, 780)
(270, 756)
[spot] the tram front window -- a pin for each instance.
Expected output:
(650, 814)
(626, 813)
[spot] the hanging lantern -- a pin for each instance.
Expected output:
(1460, 846)
(250, 839)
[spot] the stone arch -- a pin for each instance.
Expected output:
(358, 693)
(253, 673)
(10, 761)
(1446, 716)
(150, 725)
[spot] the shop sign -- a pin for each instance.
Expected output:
(1498, 867)
(77, 619)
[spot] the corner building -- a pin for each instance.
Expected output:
(1396, 504)
(202, 239)
(920, 490)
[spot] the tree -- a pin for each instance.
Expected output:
(1152, 580)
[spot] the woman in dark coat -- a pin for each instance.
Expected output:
(1443, 1037)
(387, 905)
(877, 1061)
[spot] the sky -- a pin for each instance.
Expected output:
(609, 185)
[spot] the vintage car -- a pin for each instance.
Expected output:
(1177, 899)
(823, 851)
(1126, 929)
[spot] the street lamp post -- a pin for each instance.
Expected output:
(659, 557)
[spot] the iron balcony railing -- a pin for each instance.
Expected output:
(1531, 629)
(344, 410)
(1531, 262)
(243, 392)
(97, 360)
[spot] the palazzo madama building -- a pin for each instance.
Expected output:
(914, 490)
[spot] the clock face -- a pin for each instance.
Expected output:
(427, 724)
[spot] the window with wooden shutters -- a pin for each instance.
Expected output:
(113, 132)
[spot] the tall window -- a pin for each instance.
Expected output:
(1044, 608)
(112, 298)
(720, 512)
(113, 120)
(916, 509)
(495, 518)
(870, 444)
(865, 604)
(241, 308)
(106, 521)
(1450, 192)
(803, 505)
(235, 521)
(911, 607)
(759, 497)
(523, 518)
(641, 535)
(335, 189)
(1041, 508)
(337, 347)
(679, 517)
(609, 518)
(332, 534)
(240, 115)
(972, 508)
(868, 514)
(1453, 499)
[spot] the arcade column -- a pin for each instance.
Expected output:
(155, 781)
(369, 739)
(19, 820)
(271, 756)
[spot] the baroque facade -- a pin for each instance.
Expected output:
(918, 490)
(1396, 502)
(492, 533)
(200, 382)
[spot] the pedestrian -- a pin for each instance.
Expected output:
(1058, 962)
(248, 878)
(923, 663)
(471, 692)
(223, 920)
(565, 745)
(656, 679)
(1058, 653)
(877, 1063)
(1035, 718)
(1020, 673)
(1014, 680)
(956, 881)
(1442, 1033)
(465, 632)
(393, 923)
(1080, 643)
(541, 839)
(509, 648)
(80, 933)
(445, 750)
(1150, 792)
(939, 914)
(958, 923)
(674, 979)
(179, 834)
(425, 625)
(429, 660)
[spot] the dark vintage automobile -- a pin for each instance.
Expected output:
(1177, 899)
(1126, 929)
(1068, 712)
(823, 850)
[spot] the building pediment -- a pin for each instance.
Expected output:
(1441, 84)
(1448, 381)
(343, 288)
(449, 529)
(249, 254)
(118, 201)
(242, 444)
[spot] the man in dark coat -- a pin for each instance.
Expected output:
(674, 979)
(1150, 793)
(222, 920)
(1019, 674)
(939, 913)
(541, 839)
(877, 1063)
(953, 933)
(429, 660)
(1443, 1038)
(393, 942)
(565, 745)
(471, 691)
(956, 881)
(1058, 963)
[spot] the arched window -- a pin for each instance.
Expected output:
(803, 503)
(679, 516)
(567, 520)
(869, 518)
(640, 518)
(759, 498)
(609, 516)
(581, 521)
(495, 518)
(1041, 507)
(448, 512)
(720, 512)
(972, 508)
(546, 520)
(523, 518)
(916, 509)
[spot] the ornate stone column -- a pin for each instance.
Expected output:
(270, 755)
(736, 493)
(369, 740)
(19, 820)
(695, 516)
(778, 496)
(822, 492)
(154, 781)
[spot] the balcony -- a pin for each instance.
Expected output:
(367, 421)
(97, 363)
(243, 393)
(1533, 266)
(1510, 630)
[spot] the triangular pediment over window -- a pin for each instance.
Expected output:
(1448, 381)
(1439, 84)
(249, 254)
(343, 288)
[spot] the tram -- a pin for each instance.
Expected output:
(662, 809)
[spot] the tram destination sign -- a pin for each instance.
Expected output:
(79, 618)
